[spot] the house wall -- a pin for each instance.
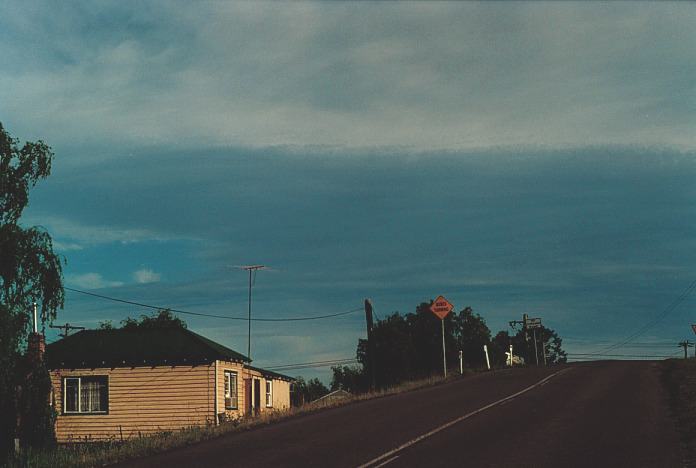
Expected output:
(241, 374)
(281, 390)
(146, 400)
(142, 400)
(281, 394)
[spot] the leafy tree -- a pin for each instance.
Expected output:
(106, 325)
(349, 378)
(29, 270)
(552, 345)
(164, 318)
(523, 346)
(498, 347)
(307, 391)
(471, 333)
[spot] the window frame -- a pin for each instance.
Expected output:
(79, 378)
(269, 393)
(225, 380)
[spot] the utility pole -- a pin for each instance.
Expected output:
(67, 327)
(252, 269)
(370, 343)
(685, 344)
(536, 352)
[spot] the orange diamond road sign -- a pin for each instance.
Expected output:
(441, 307)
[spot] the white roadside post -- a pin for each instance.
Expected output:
(461, 362)
(488, 362)
(510, 355)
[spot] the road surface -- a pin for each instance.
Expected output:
(611, 414)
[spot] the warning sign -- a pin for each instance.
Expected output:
(441, 307)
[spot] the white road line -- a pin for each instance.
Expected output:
(455, 421)
(387, 461)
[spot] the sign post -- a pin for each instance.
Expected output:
(441, 307)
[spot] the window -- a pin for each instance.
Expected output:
(269, 393)
(86, 395)
(230, 390)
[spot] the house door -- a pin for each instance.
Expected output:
(257, 396)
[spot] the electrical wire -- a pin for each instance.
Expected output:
(307, 365)
(225, 317)
(620, 355)
(669, 309)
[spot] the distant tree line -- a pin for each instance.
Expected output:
(409, 347)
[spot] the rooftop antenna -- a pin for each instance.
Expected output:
(252, 269)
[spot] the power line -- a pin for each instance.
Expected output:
(306, 365)
(669, 309)
(225, 317)
(570, 355)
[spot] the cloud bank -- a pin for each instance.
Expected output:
(414, 76)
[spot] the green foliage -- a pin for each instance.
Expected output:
(29, 269)
(409, 347)
(348, 378)
(307, 391)
(38, 418)
(162, 319)
(470, 334)
(523, 346)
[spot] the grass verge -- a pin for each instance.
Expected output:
(107, 453)
(679, 376)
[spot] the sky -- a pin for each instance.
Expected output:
(515, 157)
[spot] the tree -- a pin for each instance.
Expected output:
(29, 270)
(470, 334)
(523, 346)
(305, 392)
(349, 378)
(164, 318)
(498, 347)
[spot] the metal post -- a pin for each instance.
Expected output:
(444, 357)
(488, 362)
(461, 362)
(543, 349)
(249, 320)
(536, 353)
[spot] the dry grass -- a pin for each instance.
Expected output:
(107, 453)
(679, 376)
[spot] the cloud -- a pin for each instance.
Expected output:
(145, 276)
(394, 75)
(66, 246)
(90, 281)
(88, 234)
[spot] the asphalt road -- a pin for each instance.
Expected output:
(609, 414)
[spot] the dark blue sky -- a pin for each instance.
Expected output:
(517, 158)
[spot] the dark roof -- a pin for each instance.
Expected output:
(273, 375)
(119, 347)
